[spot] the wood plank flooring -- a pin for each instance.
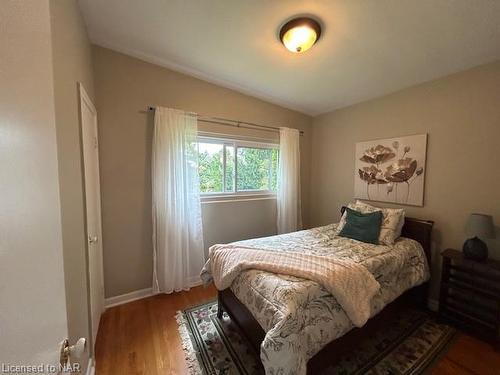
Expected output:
(140, 338)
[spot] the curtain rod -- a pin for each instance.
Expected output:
(229, 122)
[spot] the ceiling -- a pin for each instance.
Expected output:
(368, 48)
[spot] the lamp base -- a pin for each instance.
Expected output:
(475, 249)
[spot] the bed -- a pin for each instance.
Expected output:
(298, 326)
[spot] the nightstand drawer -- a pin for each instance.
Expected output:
(482, 316)
(470, 295)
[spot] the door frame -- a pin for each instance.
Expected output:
(84, 99)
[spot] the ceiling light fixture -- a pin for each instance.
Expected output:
(300, 34)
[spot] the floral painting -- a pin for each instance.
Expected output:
(391, 170)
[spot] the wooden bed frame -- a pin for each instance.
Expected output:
(419, 230)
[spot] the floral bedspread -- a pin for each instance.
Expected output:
(299, 316)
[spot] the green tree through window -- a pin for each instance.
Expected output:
(210, 167)
(253, 167)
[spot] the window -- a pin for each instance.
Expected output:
(237, 167)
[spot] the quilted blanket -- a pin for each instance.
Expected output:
(350, 283)
(300, 316)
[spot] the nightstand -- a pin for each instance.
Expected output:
(470, 295)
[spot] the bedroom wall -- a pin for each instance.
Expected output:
(124, 87)
(460, 113)
(72, 62)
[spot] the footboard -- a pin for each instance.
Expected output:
(241, 316)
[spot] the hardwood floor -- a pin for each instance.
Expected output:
(140, 338)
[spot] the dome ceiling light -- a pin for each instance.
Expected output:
(300, 34)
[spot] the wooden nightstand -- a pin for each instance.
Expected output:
(470, 295)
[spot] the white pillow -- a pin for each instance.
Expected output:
(392, 223)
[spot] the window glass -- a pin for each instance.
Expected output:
(210, 167)
(254, 168)
(227, 166)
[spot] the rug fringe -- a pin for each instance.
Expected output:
(187, 345)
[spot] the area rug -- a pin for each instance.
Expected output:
(410, 345)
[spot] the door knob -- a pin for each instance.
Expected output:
(68, 350)
(92, 239)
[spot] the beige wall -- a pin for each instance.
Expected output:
(124, 86)
(232, 221)
(32, 311)
(461, 114)
(72, 62)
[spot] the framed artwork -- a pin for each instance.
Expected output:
(391, 170)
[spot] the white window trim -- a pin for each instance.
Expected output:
(236, 195)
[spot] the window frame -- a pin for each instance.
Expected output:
(236, 194)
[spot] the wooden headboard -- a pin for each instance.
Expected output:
(418, 230)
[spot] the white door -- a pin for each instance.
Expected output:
(93, 208)
(32, 299)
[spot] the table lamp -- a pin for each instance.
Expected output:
(478, 225)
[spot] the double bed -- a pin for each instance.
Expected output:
(296, 324)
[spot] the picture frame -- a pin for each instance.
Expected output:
(391, 170)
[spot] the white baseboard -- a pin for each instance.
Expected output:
(128, 297)
(90, 367)
(433, 304)
(140, 294)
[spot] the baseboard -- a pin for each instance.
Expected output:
(433, 304)
(128, 297)
(90, 367)
(140, 294)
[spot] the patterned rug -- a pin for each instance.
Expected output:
(411, 345)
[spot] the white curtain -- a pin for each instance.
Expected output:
(288, 197)
(177, 229)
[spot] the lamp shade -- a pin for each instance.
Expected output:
(300, 34)
(480, 225)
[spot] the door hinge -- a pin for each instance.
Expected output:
(92, 239)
